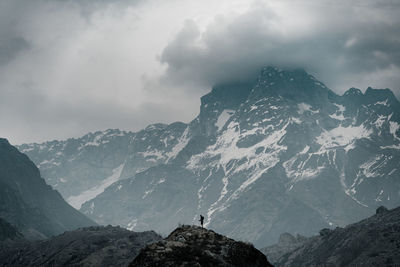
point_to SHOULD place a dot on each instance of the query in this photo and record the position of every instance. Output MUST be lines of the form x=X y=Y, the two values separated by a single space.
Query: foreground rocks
x=91 y=246
x=371 y=242
x=196 y=246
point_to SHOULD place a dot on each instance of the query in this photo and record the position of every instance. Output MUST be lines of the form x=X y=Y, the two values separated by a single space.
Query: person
x=201 y=220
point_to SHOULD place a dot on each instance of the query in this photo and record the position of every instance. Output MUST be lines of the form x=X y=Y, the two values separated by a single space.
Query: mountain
x=196 y=246
x=372 y=242
x=28 y=203
x=91 y=246
x=281 y=154
x=80 y=169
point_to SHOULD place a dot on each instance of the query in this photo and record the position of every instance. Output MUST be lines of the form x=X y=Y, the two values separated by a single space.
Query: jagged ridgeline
x=281 y=154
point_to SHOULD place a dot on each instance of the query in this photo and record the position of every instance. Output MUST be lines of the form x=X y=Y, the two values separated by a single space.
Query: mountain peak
x=228 y=95
x=156 y=126
x=380 y=94
x=353 y=92
x=272 y=71
x=292 y=84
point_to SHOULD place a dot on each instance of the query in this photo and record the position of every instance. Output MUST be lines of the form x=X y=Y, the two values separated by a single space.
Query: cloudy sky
x=70 y=67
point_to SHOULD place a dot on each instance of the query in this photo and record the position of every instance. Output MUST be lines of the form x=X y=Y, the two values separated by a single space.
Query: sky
x=69 y=67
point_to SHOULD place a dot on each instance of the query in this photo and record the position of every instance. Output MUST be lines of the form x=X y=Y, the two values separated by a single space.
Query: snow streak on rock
x=77 y=201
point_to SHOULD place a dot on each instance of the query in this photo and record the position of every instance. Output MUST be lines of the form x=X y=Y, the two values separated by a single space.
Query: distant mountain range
x=281 y=154
x=27 y=204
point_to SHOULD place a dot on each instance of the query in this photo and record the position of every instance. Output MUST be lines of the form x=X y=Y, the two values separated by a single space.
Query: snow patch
x=371 y=168
x=338 y=115
x=48 y=162
x=341 y=136
x=152 y=155
x=394 y=127
x=132 y=224
x=379 y=121
x=305 y=150
x=296 y=167
x=303 y=107
x=349 y=192
x=383 y=103
x=77 y=201
x=296 y=120
x=225 y=115
x=182 y=142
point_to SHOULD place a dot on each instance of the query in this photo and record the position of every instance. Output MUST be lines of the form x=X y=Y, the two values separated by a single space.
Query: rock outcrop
x=196 y=246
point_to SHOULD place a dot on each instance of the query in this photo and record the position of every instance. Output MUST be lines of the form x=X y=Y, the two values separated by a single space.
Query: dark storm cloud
x=343 y=44
x=72 y=66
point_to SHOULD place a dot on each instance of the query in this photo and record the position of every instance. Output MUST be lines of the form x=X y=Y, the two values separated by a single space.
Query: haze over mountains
x=281 y=154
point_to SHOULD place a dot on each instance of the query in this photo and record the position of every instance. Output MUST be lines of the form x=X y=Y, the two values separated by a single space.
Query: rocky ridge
x=196 y=246
x=91 y=246
x=371 y=242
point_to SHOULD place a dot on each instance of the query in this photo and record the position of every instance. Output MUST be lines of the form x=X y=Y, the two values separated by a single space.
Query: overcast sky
x=70 y=67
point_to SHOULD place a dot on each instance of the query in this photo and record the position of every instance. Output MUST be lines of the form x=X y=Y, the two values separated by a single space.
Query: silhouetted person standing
x=201 y=220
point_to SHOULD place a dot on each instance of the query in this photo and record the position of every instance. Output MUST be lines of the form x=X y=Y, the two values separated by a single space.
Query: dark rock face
x=28 y=203
x=8 y=232
x=196 y=246
x=92 y=246
x=372 y=242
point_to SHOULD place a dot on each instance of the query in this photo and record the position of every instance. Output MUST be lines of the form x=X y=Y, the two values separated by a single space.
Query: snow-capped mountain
x=282 y=154
x=82 y=168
